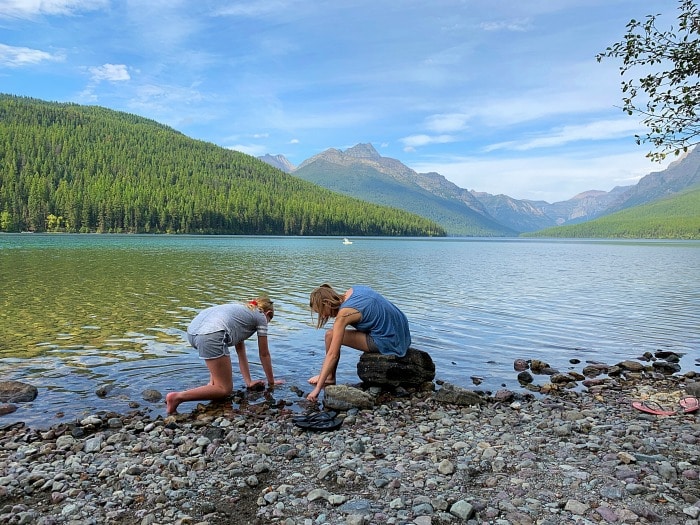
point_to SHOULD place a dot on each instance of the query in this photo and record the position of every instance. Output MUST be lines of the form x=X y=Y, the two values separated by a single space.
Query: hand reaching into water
x=313 y=396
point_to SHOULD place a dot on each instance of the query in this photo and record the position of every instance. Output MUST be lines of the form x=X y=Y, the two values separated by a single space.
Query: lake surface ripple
x=80 y=312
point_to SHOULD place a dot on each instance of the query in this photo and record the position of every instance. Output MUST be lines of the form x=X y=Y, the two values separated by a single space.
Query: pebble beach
x=567 y=456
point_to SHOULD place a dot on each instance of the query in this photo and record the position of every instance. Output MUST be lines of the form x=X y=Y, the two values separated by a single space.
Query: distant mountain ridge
x=278 y=161
x=362 y=172
x=680 y=175
x=675 y=216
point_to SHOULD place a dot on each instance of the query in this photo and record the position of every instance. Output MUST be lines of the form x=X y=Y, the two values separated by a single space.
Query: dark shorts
x=210 y=346
x=371 y=345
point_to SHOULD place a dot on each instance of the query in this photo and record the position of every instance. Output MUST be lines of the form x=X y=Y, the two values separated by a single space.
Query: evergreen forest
x=73 y=168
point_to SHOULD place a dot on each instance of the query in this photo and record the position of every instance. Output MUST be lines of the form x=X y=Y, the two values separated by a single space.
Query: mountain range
x=89 y=169
x=363 y=173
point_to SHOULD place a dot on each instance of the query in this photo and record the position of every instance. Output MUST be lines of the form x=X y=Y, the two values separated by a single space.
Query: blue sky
x=501 y=96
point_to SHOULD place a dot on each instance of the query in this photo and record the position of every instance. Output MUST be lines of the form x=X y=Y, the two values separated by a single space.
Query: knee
x=329 y=337
x=225 y=389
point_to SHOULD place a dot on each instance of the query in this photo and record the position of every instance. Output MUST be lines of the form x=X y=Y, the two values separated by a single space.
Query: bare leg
x=220 y=385
x=351 y=338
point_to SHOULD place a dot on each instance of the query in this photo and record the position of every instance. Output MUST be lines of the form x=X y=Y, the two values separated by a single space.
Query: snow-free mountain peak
x=279 y=162
x=363 y=151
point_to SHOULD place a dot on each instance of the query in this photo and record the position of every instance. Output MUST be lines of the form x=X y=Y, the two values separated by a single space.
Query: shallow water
x=79 y=312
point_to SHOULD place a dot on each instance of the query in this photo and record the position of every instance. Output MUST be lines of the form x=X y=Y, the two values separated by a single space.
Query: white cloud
x=110 y=73
x=422 y=140
x=28 y=9
x=251 y=9
x=24 y=56
x=600 y=130
x=256 y=8
x=256 y=150
x=567 y=91
x=157 y=102
x=447 y=123
x=507 y=25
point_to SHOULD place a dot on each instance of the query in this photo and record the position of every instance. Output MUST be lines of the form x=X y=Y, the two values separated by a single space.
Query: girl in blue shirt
x=364 y=320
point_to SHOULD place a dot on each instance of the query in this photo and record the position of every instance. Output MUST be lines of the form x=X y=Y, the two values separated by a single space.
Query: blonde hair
x=264 y=304
x=322 y=296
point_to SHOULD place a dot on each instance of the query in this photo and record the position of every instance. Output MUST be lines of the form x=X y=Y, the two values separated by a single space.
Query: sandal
x=318 y=421
x=689 y=404
x=652 y=407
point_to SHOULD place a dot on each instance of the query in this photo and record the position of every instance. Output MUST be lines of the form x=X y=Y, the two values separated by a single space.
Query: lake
x=80 y=312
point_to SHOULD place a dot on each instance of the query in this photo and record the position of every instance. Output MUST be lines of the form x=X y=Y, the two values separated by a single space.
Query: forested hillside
x=674 y=217
x=66 y=167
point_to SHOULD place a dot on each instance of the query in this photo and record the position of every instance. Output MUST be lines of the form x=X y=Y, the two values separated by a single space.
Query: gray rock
x=151 y=395
x=665 y=367
x=17 y=392
x=7 y=408
x=93 y=444
x=462 y=509
x=576 y=507
x=356 y=506
x=525 y=377
x=456 y=395
x=632 y=366
x=318 y=494
x=693 y=388
x=104 y=390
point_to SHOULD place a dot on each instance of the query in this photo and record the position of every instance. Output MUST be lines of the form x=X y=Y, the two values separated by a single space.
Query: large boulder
x=414 y=369
x=17 y=392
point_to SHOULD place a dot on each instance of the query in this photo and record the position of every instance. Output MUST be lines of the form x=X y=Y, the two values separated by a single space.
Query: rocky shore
x=414 y=457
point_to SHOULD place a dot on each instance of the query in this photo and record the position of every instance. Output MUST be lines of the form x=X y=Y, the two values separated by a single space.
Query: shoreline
x=561 y=457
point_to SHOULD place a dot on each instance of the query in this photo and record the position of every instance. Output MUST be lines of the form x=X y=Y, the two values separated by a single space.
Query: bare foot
x=171 y=402
x=314 y=381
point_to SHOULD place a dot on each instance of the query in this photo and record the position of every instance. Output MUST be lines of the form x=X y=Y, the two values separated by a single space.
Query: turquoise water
x=79 y=312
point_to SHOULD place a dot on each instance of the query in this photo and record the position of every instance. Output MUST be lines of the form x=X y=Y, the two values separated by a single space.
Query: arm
x=243 y=363
x=266 y=361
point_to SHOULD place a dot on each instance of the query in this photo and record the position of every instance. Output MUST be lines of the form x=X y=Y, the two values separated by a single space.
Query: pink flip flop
x=651 y=407
x=689 y=404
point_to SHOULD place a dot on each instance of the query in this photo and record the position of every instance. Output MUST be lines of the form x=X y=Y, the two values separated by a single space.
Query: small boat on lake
x=347 y=241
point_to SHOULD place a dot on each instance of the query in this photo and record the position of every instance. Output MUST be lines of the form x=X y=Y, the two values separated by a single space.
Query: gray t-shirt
x=237 y=320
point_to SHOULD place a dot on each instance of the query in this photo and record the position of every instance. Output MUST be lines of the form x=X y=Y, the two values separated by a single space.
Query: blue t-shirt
x=237 y=320
x=381 y=319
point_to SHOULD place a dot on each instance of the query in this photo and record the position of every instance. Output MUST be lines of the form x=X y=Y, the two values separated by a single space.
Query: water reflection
x=80 y=312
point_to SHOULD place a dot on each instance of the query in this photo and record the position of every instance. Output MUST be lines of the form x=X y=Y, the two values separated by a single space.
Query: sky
x=498 y=96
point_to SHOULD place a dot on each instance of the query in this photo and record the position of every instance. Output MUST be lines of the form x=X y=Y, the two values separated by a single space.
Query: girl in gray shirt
x=211 y=333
